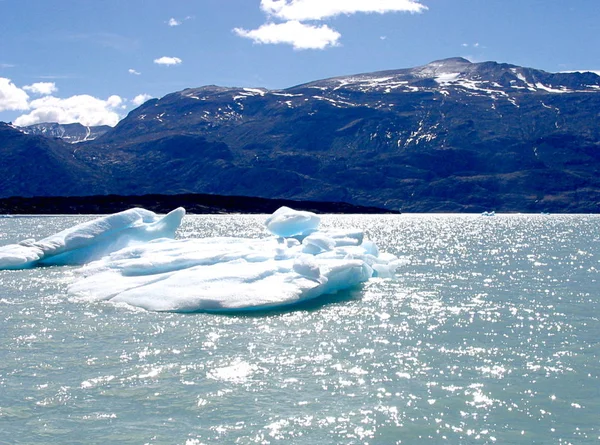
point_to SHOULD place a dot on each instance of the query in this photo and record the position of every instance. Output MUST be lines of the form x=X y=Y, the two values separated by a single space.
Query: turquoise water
x=489 y=334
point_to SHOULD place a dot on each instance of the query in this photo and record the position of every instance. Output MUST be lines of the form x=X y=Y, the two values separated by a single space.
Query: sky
x=93 y=61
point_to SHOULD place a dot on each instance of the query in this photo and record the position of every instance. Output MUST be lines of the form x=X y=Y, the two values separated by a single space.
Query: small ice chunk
x=346 y=237
x=371 y=248
x=317 y=242
x=287 y=222
x=306 y=266
x=292 y=242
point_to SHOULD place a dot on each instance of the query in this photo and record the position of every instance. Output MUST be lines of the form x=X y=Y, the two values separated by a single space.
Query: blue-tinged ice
x=131 y=258
x=91 y=240
x=236 y=274
x=287 y=222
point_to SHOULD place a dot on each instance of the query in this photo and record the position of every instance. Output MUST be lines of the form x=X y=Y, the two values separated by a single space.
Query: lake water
x=489 y=334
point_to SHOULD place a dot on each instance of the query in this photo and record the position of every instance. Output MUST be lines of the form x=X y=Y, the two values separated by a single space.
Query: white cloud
x=173 y=22
x=84 y=109
x=132 y=71
x=168 y=61
x=322 y=9
x=303 y=36
x=11 y=96
x=294 y=33
x=42 y=88
x=140 y=99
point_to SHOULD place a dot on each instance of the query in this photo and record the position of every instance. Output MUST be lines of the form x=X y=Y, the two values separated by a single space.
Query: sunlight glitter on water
x=488 y=335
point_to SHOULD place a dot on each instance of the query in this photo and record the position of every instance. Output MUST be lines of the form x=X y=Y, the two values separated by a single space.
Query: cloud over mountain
x=11 y=96
x=85 y=109
x=140 y=99
x=299 y=35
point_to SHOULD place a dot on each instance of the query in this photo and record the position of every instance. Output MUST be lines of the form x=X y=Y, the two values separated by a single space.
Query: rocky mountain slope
x=40 y=166
x=72 y=133
x=448 y=136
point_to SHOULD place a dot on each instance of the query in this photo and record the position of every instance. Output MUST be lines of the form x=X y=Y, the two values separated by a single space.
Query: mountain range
x=449 y=136
x=72 y=133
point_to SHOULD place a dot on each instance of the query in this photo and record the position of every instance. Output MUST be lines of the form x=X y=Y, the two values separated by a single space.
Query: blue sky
x=94 y=61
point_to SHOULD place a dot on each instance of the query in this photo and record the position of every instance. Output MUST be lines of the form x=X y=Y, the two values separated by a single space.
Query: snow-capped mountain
x=491 y=79
x=71 y=133
x=490 y=85
x=447 y=136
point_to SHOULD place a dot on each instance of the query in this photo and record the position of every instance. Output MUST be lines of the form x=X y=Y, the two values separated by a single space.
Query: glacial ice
x=131 y=258
x=91 y=240
x=287 y=222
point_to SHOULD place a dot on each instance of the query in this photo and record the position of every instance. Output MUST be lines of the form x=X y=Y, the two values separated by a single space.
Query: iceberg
x=288 y=222
x=132 y=257
x=91 y=240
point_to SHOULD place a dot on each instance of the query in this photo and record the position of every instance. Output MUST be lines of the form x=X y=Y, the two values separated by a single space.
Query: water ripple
x=488 y=335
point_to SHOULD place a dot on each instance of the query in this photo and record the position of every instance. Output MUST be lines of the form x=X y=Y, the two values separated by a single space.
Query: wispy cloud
x=57 y=76
x=84 y=109
x=134 y=72
x=41 y=88
x=299 y=35
x=140 y=99
x=323 y=9
x=168 y=60
x=6 y=65
x=11 y=96
x=178 y=22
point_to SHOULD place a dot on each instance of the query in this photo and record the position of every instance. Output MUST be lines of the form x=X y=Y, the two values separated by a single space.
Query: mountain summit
x=447 y=136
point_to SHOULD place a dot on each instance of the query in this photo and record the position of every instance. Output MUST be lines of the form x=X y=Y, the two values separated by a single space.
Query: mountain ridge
x=450 y=135
x=72 y=133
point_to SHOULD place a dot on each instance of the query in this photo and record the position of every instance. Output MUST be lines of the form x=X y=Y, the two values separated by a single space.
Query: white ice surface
x=236 y=274
x=135 y=262
x=91 y=240
x=287 y=222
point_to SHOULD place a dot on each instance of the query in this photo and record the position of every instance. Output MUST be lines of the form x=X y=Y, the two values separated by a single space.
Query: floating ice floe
x=221 y=274
x=91 y=240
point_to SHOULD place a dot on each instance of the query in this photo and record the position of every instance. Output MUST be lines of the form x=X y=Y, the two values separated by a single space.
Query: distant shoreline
x=193 y=203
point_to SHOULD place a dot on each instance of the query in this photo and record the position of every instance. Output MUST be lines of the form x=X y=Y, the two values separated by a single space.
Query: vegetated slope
x=448 y=136
x=39 y=166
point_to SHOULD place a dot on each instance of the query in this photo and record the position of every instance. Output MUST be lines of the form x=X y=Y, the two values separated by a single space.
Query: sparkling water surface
x=489 y=334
